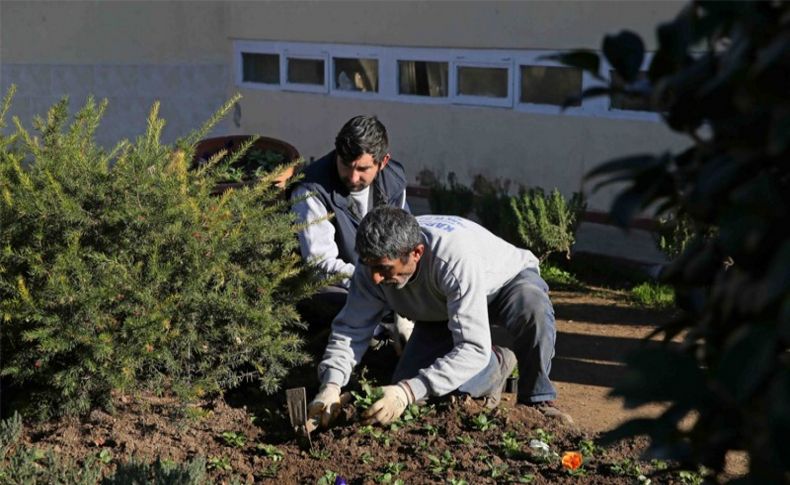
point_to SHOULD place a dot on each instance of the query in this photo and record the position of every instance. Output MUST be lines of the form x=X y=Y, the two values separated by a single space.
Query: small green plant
x=368 y=395
x=319 y=454
x=496 y=470
x=482 y=422
x=688 y=477
x=271 y=451
x=626 y=467
x=653 y=295
x=366 y=458
x=236 y=440
x=328 y=478
x=464 y=439
x=197 y=413
x=390 y=472
x=457 y=481
x=511 y=446
x=588 y=448
x=441 y=465
x=543 y=435
x=221 y=463
x=528 y=478
x=105 y=456
x=430 y=430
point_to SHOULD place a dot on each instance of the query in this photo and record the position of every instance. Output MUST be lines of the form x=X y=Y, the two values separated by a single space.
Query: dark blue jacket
x=321 y=178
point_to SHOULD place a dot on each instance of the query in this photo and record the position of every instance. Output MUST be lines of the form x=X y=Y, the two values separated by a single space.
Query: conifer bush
x=546 y=222
x=119 y=271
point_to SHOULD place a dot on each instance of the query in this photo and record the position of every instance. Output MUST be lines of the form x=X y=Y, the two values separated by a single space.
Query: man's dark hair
x=387 y=232
x=361 y=135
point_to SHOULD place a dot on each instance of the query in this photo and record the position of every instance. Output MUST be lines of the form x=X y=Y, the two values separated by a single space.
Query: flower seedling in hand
x=369 y=394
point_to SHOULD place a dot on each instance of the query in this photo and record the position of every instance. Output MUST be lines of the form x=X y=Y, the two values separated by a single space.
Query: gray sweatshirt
x=462 y=269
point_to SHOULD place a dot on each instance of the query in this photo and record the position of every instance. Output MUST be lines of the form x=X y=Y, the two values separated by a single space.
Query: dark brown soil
x=595 y=331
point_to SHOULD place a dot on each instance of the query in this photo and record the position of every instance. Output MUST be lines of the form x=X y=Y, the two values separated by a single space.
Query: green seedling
x=366 y=458
x=270 y=471
x=482 y=422
x=528 y=478
x=391 y=470
x=422 y=445
x=457 y=481
x=496 y=470
x=464 y=440
x=235 y=440
x=379 y=435
x=510 y=444
x=659 y=465
x=328 y=478
x=105 y=456
x=688 y=477
x=430 y=430
x=271 y=451
x=370 y=394
x=319 y=454
x=221 y=463
x=588 y=448
x=626 y=468
x=441 y=465
x=544 y=436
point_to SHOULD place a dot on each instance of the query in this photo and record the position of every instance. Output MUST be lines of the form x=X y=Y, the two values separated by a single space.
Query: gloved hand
x=390 y=406
x=326 y=405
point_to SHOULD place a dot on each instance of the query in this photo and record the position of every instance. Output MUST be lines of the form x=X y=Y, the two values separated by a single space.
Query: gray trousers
x=523 y=309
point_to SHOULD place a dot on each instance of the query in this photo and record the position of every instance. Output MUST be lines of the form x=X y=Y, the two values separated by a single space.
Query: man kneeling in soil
x=455 y=279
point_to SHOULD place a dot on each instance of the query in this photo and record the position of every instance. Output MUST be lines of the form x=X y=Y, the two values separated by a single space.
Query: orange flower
x=572 y=460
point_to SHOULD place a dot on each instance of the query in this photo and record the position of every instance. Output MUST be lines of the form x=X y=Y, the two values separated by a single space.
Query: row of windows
x=519 y=79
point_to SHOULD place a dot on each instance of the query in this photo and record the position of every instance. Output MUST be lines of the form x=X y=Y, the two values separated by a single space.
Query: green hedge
x=120 y=271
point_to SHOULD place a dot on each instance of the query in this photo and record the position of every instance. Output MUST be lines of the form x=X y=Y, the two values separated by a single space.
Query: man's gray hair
x=387 y=232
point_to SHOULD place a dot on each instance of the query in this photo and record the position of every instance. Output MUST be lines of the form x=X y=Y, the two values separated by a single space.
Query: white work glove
x=325 y=407
x=390 y=406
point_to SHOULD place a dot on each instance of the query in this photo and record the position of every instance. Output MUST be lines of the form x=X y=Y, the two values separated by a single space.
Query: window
x=519 y=79
x=423 y=78
x=351 y=74
x=629 y=102
x=489 y=82
x=305 y=71
x=260 y=68
x=550 y=85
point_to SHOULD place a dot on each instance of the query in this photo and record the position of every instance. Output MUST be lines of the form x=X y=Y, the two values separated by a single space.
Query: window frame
x=534 y=59
x=418 y=55
x=387 y=58
x=308 y=55
x=471 y=100
x=354 y=52
x=256 y=47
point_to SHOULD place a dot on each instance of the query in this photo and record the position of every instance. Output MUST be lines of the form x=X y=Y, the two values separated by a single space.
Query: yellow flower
x=572 y=460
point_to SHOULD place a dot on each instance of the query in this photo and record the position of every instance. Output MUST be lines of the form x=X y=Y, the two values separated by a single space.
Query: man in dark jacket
x=347 y=183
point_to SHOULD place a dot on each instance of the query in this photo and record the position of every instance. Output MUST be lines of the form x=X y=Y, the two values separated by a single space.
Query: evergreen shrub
x=120 y=272
x=546 y=222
